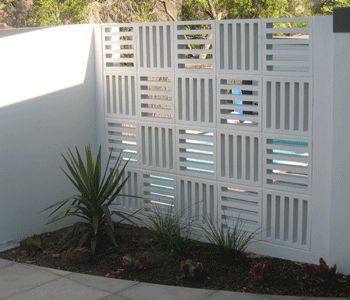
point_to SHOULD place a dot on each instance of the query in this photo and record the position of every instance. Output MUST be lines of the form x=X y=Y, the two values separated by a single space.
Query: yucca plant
x=229 y=240
x=97 y=190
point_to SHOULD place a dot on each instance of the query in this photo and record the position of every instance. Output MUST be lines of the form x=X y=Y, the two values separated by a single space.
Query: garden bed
x=164 y=267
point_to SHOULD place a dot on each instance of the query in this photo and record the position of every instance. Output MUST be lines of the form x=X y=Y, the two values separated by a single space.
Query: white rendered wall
x=47 y=103
x=340 y=197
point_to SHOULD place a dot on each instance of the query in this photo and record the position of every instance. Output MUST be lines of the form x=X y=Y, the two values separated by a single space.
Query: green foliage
x=229 y=240
x=238 y=9
x=97 y=192
x=58 y=12
x=170 y=232
x=326 y=7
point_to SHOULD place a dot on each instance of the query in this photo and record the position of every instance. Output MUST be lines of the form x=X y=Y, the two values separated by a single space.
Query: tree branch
x=170 y=15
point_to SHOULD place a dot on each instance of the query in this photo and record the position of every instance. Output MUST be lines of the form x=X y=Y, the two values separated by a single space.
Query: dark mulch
x=163 y=267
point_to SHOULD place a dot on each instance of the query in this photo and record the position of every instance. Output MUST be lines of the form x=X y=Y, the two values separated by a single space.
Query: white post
x=340 y=197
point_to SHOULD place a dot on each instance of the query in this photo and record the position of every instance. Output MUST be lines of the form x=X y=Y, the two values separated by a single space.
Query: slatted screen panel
x=120 y=91
x=122 y=139
x=155 y=46
x=239 y=102
x=288 y=106
x=197 y=199
x=130 y=189
x=239 y=46
x=159 y=191
x=157 y=146
x=196 y=152
x=239 y=157
x=287 y=46
x=195 y=100
x=287 y=219
x=195 y=46
x=240 y=202
x=119 y=46
x=156 y=97
x=287 y=163
x=216 y=120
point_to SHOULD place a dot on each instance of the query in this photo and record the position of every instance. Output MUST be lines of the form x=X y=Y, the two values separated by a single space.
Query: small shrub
x=322 y=271
x=192 y=269
x=232 y=241
x=32 y=245
x=169 y=231
x=261 y=271
x=97 y=191
x=78 y=255
x=130 y=263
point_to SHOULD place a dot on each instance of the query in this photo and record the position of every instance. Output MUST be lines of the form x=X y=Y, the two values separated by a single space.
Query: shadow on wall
x=47 y=103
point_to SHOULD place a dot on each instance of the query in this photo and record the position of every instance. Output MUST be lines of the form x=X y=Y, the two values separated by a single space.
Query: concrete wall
x=340 y=198
x=47 y=103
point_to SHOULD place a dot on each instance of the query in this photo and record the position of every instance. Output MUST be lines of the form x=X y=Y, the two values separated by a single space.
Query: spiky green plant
x=170 y=230
x=96 y=192
x=234 y=240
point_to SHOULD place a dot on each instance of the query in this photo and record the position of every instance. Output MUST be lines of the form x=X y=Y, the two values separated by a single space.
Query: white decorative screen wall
x=239 y=157
x=195 y=46
x=287 y=219
x=155 y=46
x=239 y=102
x=195 y=99
x=216 y=119
x=122 y=139
x=120 y=93
x=156 y=97
x=287 y=104
x=240 y=201
x=239 y=44
x=119 y=46
x=287 y=46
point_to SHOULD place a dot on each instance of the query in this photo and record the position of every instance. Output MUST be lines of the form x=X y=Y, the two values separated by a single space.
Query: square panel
x=156 y=97
x=195 y=100
x=131 y=191
x=287 y=219
x=243 y=202
x=196 y=200
x=287 y=163
x=155 y=46
x=195 y=46
x=239 y=102
x=287 y=46
x=157 y=147
x=288 y=106
x=158 y=190
x=239 y=46
x=122 y=139
x=239 y=157
x=119 y=46
x=120 y=95
x=196 y=152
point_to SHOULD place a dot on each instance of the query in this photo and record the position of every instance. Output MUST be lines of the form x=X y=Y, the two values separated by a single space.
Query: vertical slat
x=234 y=47
x=243 y=54
x=301 y=107
x=226 y=45
x=191 y=108
x=282 y=105
x=273 y=104
x=251 y=46
x=291 y=104
x=151 y=43
x=273 y=215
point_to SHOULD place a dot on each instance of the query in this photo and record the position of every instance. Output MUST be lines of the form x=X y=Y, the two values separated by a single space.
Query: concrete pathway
x=29 y=282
